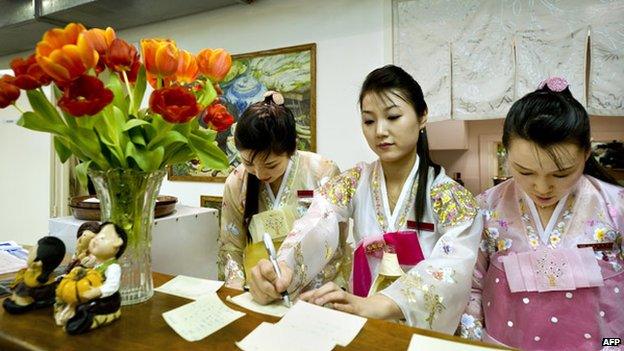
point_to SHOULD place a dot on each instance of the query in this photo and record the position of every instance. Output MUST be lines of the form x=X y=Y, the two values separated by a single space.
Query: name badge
x=428 y=227
x=305 y=194
x=598 y=246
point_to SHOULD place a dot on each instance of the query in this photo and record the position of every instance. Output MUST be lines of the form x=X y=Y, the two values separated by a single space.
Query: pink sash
x=552 y=270
x=406 y=247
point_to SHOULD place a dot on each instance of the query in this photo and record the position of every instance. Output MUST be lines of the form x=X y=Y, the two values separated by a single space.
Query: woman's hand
x=264 y=286
x=377 y=306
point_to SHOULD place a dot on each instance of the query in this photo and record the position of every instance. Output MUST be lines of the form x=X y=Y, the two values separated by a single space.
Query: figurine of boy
x=103 y=304
x=81 y=256
x=34 y=286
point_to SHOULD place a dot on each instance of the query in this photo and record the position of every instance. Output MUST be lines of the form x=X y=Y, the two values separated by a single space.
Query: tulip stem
x=125 y=76
x=18 y=109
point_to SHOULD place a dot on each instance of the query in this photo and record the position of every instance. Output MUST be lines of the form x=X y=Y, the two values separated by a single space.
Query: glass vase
x=127 y=198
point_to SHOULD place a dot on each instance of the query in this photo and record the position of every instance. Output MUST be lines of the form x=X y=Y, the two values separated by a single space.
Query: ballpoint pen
x=268 y=243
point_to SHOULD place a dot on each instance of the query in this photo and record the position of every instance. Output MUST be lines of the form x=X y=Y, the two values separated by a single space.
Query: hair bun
x=556 y=84
x=274 y=97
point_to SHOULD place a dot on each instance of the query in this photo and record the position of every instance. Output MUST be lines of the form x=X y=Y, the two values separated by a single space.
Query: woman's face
x=390 y=125
x=266 y=167
x=537 y=174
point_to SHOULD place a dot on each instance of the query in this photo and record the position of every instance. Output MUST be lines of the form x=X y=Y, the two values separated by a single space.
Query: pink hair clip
x=557 y=84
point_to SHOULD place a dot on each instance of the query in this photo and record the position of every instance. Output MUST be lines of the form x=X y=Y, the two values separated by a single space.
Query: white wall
x=24 y=179
x=352 y=36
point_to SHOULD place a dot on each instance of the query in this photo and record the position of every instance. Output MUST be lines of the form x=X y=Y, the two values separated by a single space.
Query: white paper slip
x=245 y=300
x=10 y=263
x=323 y=323
x=196 y=320
x=273 y=337
x=190 y=287
x=427 y=343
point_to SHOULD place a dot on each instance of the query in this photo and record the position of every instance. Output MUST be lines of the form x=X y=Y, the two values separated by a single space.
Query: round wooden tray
x=90 y=211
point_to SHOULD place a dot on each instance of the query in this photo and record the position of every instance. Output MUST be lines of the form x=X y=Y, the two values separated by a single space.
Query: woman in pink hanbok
x=550 y=271
x=415 y=242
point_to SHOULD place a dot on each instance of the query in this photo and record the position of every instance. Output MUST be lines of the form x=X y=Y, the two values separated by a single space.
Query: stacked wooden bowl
x=90 y=210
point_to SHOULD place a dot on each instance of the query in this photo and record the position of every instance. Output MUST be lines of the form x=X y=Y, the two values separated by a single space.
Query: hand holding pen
x=268 y=243
x=264 y=284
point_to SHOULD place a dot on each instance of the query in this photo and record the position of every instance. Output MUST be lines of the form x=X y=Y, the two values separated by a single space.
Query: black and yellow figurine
x=34 y=286
x=88 y=297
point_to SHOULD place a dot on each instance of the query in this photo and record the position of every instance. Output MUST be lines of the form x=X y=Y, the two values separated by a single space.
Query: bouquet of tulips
x=98 y=82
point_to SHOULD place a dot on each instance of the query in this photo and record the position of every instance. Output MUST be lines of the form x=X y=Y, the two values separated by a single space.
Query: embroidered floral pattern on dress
x=232 y=228
x=444 y=274
x=412 y=287
x=378 y=201
x=340 y=190
x=447 y=247
x=301 y=269
x=470 y=327
x=452 y=204
x=555 y=236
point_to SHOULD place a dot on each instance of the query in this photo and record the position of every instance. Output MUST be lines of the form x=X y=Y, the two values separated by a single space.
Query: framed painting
x=212 y=202
x=290 y=71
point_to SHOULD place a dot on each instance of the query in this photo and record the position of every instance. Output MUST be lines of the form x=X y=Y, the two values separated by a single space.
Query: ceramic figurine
x=88 y=298
x=81 y=256
x=34 y=285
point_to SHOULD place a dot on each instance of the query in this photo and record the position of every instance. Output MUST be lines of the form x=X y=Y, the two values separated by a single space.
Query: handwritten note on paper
x=276 y=309
x=323 y=323
x=274 y=337
x=196 y=320
x=427 y=343
x=189 y=287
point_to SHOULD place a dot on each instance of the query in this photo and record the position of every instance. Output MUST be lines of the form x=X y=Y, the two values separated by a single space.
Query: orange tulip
x=100 y=40
x=187 y=67
x=160 y=56
x=64 y=54
x=214 y=64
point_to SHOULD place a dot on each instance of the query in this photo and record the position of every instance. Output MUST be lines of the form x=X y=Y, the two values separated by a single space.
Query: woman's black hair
x=50 y=251
x=392 y=79
x=122 y=235
x=265 y=127
x=548 y=118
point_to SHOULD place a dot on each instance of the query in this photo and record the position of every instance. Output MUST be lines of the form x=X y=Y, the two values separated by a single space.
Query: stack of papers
x=10 y=263
x=196 y=320
x=308 y=326
x=14 y=249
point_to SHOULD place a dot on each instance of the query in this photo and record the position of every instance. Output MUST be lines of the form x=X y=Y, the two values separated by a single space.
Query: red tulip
x=85 y=96
x=214 y=64
x=121 y=56
x=28 y=73
x=8 y=91
x=175 y=104
x=217 y=117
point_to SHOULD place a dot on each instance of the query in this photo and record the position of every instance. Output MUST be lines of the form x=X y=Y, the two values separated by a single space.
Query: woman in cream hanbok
x=271 y=188
x=413 y=225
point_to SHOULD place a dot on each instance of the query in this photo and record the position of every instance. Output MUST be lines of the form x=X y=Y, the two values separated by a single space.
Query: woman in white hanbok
x=414 y=227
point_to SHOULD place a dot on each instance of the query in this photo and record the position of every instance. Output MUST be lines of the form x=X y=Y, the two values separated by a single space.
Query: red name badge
x=598 y=246
x=428 y=227
x=305 y=194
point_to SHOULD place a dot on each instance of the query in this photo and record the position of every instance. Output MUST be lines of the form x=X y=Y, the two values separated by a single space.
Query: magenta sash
x=406 y=247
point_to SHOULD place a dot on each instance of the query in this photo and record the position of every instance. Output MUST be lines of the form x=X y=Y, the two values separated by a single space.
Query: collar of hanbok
x=275 y=201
